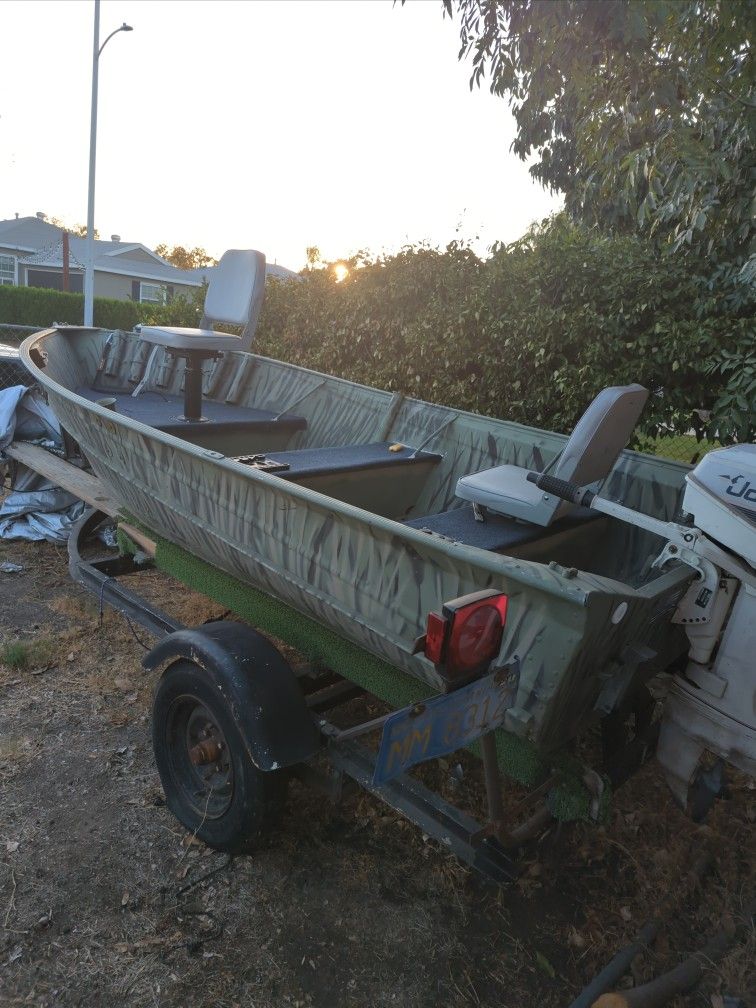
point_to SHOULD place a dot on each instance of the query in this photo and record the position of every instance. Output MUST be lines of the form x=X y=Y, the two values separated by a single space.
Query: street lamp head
x=124 y=27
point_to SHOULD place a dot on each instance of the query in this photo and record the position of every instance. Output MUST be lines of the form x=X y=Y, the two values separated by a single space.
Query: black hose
x=617 y=966
x=620 y=963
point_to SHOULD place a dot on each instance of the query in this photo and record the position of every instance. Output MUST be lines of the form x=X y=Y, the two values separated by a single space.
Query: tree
x=641 y=112
x=77 y=230
x=313 y=256
x=184 y=258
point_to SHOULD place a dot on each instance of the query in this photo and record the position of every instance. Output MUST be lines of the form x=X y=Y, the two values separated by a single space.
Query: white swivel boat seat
x=588 y=457
x=235 y=296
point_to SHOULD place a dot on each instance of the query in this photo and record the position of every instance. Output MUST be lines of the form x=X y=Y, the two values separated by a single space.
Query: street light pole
x=89 y=269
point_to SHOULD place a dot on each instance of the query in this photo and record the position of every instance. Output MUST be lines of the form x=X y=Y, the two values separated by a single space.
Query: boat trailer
x=486 y=847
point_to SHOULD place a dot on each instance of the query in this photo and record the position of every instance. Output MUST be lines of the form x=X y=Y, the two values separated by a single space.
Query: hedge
x=530 y=334
x=41 y=306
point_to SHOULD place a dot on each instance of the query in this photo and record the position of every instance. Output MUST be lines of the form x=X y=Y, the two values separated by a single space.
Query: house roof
x=27 y=234
x=204 y=273
x=52 y=256
x=41 y=244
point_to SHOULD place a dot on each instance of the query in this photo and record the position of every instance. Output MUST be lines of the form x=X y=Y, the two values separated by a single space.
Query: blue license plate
x=444 y=723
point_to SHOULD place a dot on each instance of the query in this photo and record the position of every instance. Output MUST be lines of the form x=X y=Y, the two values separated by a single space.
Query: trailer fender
x=257 y=683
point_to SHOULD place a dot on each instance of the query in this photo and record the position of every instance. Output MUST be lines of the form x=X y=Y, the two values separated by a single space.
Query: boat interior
x=450 y=474
x=453 y=475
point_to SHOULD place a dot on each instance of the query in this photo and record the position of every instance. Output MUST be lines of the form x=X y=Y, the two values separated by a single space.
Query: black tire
x=226 y=801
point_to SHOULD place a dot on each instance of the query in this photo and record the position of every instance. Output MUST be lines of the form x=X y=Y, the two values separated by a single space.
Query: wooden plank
x=83 y=485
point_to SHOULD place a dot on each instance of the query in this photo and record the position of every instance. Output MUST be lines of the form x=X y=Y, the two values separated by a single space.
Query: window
x=152 y=293
x=54 y=281
x=8 y=271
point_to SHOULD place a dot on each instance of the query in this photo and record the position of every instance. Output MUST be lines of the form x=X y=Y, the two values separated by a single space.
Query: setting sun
x=341 y=272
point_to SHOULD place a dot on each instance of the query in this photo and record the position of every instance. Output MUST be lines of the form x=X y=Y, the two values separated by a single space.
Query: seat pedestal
x=193 y=381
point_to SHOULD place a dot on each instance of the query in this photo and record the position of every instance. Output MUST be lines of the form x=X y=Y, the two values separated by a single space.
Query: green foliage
x=531 y=334
x=41 y=306
x=640 y=111
x=735 y=374
x=23 y=655
x=15 y=655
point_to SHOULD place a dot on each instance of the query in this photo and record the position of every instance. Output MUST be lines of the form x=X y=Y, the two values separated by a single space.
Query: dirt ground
x=104 y=899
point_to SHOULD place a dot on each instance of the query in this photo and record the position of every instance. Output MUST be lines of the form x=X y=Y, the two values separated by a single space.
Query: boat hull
x=371 y=579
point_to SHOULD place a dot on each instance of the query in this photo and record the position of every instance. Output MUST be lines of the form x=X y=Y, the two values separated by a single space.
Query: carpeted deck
x=497 y=533
x=156 y=409
x=346 y=458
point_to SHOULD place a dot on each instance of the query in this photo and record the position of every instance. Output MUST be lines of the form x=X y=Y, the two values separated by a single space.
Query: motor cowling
x=720 y=494
x=711 y=707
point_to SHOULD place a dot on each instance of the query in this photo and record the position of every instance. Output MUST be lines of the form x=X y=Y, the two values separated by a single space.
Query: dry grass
x=347 y=906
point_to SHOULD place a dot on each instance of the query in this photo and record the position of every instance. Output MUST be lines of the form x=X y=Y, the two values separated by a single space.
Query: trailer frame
x=343 y=762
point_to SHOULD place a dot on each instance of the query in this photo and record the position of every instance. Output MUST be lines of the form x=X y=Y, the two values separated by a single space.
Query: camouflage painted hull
x=372 y=579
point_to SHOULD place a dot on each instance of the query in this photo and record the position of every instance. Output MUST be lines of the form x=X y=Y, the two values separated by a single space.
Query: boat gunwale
x=526 y=572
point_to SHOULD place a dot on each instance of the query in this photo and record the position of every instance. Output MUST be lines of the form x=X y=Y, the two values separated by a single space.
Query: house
x=32 y=253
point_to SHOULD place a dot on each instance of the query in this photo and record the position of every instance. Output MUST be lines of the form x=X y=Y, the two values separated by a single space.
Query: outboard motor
x=711 y=708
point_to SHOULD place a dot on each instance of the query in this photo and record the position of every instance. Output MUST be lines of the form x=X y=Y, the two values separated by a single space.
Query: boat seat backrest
x=587 y=459
x=235 y=296
x=236 y=289
x=600 y=435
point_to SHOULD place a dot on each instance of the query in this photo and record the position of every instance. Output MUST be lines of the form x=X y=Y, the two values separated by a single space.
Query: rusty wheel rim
x=199 y=758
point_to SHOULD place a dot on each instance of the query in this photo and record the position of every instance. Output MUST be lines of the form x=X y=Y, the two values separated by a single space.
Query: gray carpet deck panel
x=497 y=533
x=162 y=411
x=346 y=458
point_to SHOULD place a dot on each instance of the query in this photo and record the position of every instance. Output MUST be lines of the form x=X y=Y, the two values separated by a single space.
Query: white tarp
x=35 y=509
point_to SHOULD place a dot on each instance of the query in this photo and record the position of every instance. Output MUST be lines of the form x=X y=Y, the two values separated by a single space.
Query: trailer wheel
x=211 y=785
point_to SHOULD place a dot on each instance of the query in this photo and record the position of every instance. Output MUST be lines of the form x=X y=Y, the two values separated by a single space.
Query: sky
x=269 y=124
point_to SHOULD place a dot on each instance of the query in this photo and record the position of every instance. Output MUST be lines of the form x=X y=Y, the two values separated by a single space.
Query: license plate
x=444 y=723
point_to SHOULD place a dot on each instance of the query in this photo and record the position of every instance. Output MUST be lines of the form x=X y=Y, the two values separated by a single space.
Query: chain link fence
x=679 y=448
x=682 y=449
x=15 y=334
x=12 y=371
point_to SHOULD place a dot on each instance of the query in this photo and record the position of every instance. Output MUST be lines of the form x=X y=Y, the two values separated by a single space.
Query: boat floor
x=164 y=412
x=497 y=533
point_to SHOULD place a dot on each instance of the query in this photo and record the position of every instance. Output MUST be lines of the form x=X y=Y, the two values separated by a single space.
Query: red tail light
x=435 y=637
x=467 y=637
